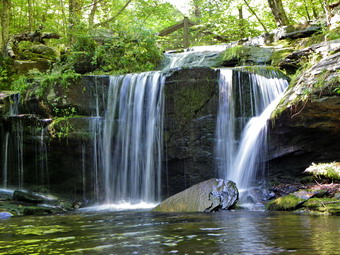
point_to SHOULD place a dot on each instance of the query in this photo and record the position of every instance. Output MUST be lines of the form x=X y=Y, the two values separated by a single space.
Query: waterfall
x=246 y=101
x=5 y=161
x=131 y=139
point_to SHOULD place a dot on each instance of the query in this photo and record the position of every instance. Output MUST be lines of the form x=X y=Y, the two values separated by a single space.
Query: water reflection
x=143 y=232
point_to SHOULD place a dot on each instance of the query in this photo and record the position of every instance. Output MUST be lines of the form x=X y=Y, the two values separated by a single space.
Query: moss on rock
x=286 y=203
x=324 y=205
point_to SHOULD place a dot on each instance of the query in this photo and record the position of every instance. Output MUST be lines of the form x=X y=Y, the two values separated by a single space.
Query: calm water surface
x=144 y=232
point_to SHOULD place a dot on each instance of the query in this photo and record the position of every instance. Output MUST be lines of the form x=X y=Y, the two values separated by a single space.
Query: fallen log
x=36 y=36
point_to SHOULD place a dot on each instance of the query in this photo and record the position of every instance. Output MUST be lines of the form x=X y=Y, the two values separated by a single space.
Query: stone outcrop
x=308 y=126
x=295 y=31
x=191 y=97
x=207 y=196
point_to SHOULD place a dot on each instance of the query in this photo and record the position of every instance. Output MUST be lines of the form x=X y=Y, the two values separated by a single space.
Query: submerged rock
x=211 y=195
x=5 y=215
x=28 y=197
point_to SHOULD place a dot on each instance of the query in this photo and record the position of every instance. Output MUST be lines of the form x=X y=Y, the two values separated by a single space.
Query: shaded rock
x=307 y=121
x=40 y=210
x=296 y=59
x=85 y=94
x=241 y=55
x=295 y=31
x=189 y=126
x=24 y=66
x=44 y=50
x=71 y=128
x=28 y=197
x=307 y=194
x=207 y=196
x=6 y=194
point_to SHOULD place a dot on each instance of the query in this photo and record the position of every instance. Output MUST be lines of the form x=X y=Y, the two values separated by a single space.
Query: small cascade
x=130 y=145
x=196 y=56
x=42 y=177
x=14 y=106
x=5 y=161
x=83 y=170
x=246 y=101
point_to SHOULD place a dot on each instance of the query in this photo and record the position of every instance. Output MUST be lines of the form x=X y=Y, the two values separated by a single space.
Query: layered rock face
x=308 y=128
x=191 y=97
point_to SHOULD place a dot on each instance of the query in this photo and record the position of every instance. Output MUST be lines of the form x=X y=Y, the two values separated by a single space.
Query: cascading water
x=246 y=101
x=5 y=161
x=131 y=139
x=196 y=56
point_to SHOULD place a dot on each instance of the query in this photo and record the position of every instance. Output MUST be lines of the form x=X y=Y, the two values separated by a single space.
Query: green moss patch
x=325 y=205
x=286 y=203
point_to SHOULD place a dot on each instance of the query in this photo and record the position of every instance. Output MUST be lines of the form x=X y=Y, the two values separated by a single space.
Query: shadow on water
x=145 y=232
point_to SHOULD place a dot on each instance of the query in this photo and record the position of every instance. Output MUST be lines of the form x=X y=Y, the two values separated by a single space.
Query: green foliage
x=64 y=112
x=21 y=84
x=325 y=170
x=5 y=73
x=38 y=83
x=235 y=52
x=131 y=49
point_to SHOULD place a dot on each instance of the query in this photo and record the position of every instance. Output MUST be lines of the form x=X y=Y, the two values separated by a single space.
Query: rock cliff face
x=308 y=128
x=191 y=97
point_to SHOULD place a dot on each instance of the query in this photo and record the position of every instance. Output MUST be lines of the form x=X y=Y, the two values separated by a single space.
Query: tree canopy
x=122 y=36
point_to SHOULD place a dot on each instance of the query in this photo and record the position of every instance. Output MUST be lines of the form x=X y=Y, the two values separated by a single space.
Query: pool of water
x=145 y=232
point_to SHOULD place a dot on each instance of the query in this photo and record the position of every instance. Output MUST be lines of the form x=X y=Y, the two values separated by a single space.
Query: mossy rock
x=308 y=179
x=75 y=127
x=246 y=55
x=324 y=205
x=36 y=210
x=27 y=196
x=286 y=203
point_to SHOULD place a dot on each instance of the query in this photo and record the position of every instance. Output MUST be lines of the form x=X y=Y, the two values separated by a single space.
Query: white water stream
x=132 y=135
x=241 y=130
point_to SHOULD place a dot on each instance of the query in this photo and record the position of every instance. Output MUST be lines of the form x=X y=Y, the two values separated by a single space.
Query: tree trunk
x=278 y=12
x=5 y=22
x=257 y=17
x=74 y=18
x=315 y=12
x=30 y=15
x=197 y=9
x=307 y=12
x=327 y=9
x=93 y=13
x=241 y=22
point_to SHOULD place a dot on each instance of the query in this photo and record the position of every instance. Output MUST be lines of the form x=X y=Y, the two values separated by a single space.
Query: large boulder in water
x=211 y=195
